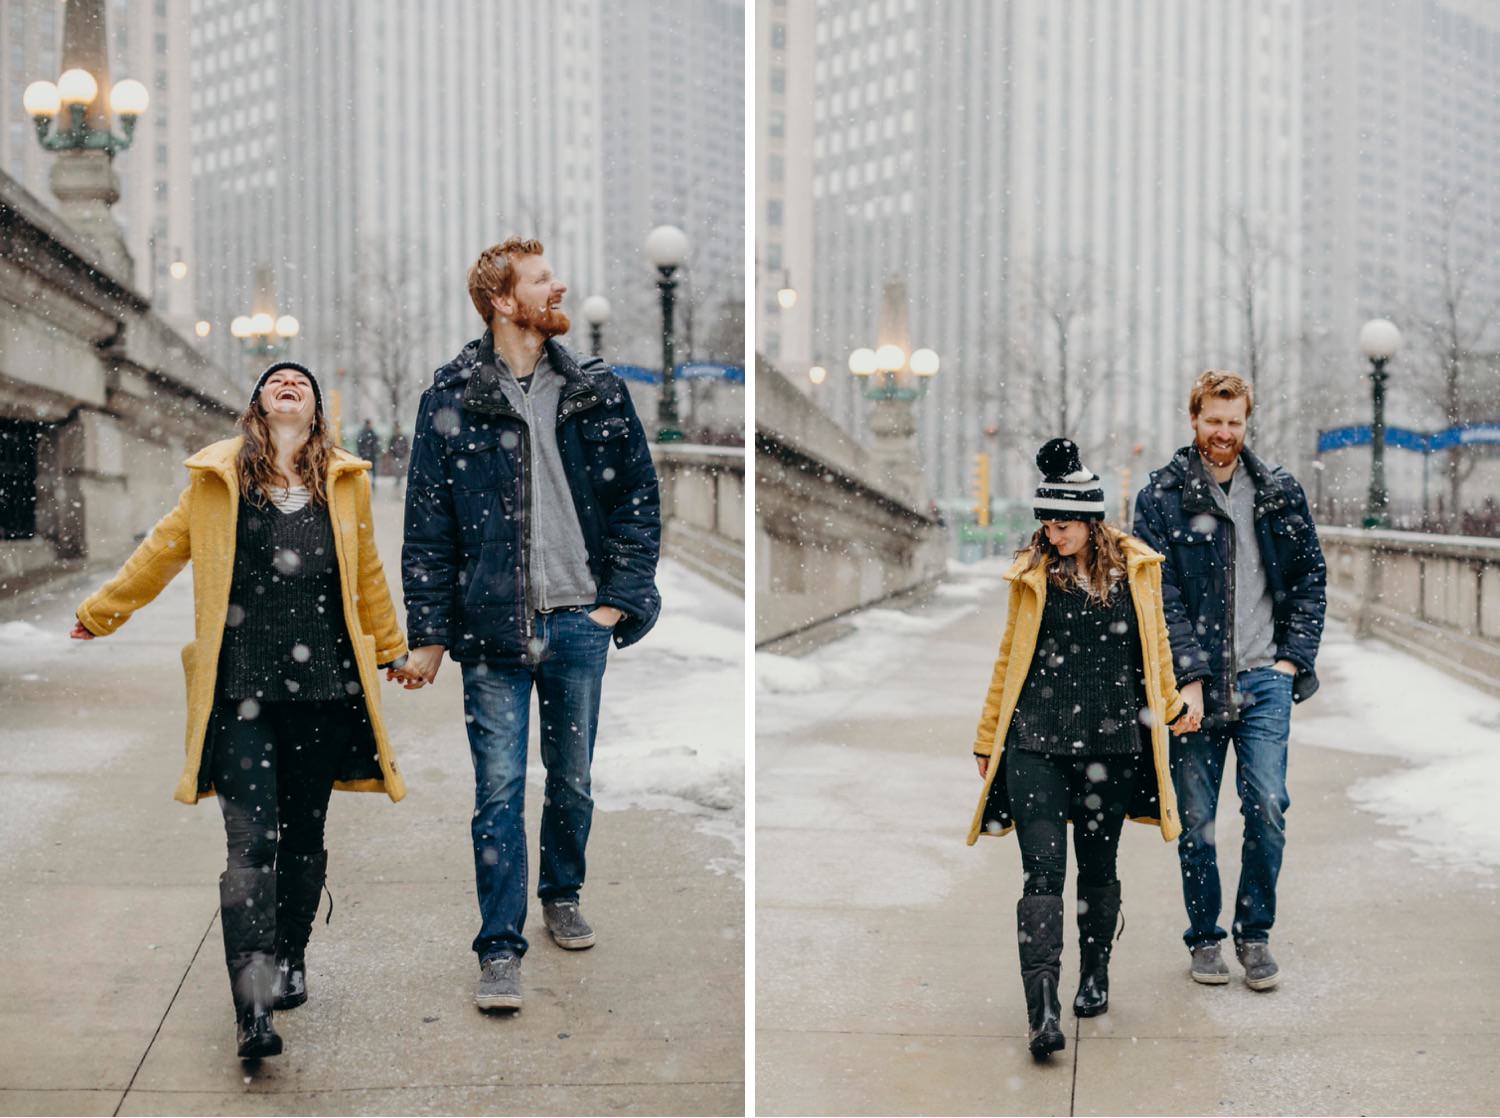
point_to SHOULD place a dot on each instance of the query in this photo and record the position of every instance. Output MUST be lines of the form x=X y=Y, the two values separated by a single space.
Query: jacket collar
x=1137 y=556
x=482 y=392
x=1188 y=467
x=222 y=458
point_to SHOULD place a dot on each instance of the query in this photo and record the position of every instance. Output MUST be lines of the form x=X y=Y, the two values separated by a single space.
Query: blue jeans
x=1259 y=736
x=497 y=705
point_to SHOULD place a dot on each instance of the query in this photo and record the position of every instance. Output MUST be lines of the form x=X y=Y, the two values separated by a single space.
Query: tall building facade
x=1402 y=141
x=673 y=152
x=784 y=34
x=366 y=152
x=149 y=42
x=1108 y=167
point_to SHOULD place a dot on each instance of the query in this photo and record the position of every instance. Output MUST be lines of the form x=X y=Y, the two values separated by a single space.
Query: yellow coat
x=1028 y=593
x=202 y=528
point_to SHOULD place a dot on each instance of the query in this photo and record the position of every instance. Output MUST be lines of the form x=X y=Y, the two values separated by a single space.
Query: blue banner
x=696 y=370
x=1464 y=434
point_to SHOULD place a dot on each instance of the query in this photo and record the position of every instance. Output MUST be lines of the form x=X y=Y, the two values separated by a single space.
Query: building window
x=18 y=475
x=777 y=124
x=778 y=80
x=773 y=213
x=778 y=36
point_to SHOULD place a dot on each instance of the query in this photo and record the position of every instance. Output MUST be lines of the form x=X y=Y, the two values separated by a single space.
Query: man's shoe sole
x=574 y=943
x=1210 y=979
x=1263 y=983
x=498 y=1001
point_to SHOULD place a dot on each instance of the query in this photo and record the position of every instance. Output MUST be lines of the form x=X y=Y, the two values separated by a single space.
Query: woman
x=292 y=618
x=1074 y=727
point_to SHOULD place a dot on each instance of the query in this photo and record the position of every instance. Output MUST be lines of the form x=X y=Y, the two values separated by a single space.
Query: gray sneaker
x=568 y=927
x=499 y=983
x=1209 y=966
x=1261 y=971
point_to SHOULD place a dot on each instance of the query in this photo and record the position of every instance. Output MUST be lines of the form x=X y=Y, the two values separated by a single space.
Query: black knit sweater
x=1086 y=687
x=286 y=637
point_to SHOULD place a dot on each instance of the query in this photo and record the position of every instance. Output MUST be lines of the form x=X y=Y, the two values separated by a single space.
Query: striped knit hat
x=1068 y=490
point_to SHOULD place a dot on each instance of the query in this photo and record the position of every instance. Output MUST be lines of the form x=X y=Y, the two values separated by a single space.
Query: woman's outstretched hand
x=984 y=767
x=409 y=677
x=79 y=633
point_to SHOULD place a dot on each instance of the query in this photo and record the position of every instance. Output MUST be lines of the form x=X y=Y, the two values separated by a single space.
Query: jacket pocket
x=478 y=461
x=603 y=429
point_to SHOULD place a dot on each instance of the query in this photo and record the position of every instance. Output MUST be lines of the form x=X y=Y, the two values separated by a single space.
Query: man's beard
x=1217 y=456
x=549 y=322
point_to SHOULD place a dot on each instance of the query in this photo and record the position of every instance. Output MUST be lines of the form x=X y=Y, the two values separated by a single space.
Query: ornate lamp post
x=894 y=378
x=667 y=248
x=265 y=335
x=72 y=119
x=1378 y=340
x=596 y=314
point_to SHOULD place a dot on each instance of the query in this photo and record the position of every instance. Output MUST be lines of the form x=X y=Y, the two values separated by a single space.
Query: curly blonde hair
x=257 y=461
x=1106 y=566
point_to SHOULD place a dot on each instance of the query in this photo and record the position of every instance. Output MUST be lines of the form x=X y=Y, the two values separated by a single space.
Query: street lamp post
x=667 y=246
x=73 y=119
x=1378 y=340
x=596 y=312
x=893 y=378
x=264 y=334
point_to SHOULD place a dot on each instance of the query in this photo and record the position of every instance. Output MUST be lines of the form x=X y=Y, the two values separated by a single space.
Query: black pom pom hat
x=1068 y=491
x=303 y=369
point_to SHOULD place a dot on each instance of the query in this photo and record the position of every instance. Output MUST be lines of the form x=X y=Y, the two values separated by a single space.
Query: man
x=1244 y=589
x=367 y=444
x=532 y=533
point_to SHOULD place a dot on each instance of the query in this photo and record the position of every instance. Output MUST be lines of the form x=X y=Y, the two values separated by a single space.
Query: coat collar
x=482 y=390
x=222 y=458
x=1137 y=556
x=1197 y=497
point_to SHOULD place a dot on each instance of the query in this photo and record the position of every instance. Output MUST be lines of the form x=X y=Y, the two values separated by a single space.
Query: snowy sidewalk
x=886 y=962
x=113 y=997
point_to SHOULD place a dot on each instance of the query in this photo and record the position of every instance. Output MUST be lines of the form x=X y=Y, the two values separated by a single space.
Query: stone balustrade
x=703 y=509
x=1437 y=596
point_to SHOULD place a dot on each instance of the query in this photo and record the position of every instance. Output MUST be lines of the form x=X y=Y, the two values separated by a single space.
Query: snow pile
x=1393 y=705
x=672 y=721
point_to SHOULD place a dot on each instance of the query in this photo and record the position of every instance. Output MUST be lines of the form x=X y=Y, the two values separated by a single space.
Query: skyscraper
x=367 y=152
x=673 y=152
x=1072 y=193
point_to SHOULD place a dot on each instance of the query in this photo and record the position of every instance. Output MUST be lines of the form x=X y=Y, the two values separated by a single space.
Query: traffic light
x=982 y=489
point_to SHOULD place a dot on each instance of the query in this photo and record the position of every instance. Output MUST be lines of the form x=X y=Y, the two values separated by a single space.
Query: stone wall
x=1436 y=596
x=118 y=397
x=703 y=509
x=833 y=534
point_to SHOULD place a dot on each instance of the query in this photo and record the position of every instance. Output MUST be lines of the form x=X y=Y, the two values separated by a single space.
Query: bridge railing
x=832 y=533
x=703 y=509
x=1437 y=596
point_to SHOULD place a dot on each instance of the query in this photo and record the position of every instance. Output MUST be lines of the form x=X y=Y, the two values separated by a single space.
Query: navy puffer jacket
x=1177 y=515
x=468 y=506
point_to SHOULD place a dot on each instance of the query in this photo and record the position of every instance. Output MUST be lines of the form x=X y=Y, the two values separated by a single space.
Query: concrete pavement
x=887 y=976
x=113 y=997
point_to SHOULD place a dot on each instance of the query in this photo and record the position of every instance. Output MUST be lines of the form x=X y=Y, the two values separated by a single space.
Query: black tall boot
x=247 y=910
x=299 y=886
x=1098 y=913
x=1039 y=932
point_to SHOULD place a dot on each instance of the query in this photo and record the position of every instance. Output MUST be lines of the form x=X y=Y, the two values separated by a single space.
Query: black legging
x=1048 y=789
x=273 y=768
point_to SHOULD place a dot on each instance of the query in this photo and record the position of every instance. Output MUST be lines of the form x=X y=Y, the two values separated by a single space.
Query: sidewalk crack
x=170 y=1003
